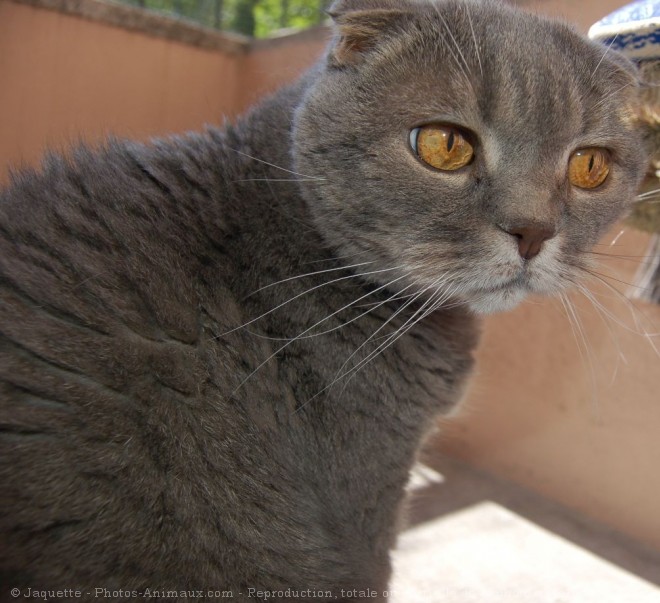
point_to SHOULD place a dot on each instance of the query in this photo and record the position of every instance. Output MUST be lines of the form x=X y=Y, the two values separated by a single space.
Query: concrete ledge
x=475 y=538
x=148 y=22
x=486 y=553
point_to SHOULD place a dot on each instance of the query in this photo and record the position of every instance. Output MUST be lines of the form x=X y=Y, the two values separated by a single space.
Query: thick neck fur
x=283 y=242
x=129 y=276
x=345 y=428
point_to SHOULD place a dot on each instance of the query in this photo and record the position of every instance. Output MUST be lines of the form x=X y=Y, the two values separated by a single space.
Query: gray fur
x=145 y=442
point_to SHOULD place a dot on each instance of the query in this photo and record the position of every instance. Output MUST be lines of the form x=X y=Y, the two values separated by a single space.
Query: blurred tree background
x=259 y=18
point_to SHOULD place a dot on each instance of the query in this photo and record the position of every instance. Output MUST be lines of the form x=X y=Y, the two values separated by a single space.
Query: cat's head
x=478 y=150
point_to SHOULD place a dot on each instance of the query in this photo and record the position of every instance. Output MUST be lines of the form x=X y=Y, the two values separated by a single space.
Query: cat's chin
x=501 y=300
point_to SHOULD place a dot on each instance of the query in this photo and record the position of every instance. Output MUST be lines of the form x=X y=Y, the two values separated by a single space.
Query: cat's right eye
x=443 y=147
x=589 y=167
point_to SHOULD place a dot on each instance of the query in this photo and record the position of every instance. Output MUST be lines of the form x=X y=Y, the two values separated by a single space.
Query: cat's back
x=106 y=251
x=116 y=284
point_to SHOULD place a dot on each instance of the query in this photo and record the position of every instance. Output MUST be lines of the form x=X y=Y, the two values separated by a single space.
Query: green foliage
x=297 y=14
x=259 y=18
x=244 y=18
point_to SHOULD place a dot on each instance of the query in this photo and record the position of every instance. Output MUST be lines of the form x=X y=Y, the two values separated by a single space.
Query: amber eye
x=442 y=147
x=588 y=168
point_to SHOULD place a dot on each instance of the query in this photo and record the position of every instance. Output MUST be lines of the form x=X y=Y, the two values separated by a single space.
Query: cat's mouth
x=507 y=294
x=520 y=281
x=501 y=298
x=499 y=281
x=510 y=278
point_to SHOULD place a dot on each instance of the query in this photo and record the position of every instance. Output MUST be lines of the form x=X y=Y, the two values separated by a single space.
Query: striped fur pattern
x=220 y=353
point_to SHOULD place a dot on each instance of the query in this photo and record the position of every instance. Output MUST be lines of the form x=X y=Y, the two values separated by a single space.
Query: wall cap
x=151 y=23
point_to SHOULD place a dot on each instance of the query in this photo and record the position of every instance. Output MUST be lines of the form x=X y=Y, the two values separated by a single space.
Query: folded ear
x=360 y=25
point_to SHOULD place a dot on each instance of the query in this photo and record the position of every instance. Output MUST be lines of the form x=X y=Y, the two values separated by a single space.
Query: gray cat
x=220 y=353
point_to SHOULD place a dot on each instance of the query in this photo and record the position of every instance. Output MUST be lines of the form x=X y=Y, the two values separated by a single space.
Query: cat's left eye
x=589 y=167
x=443 y=147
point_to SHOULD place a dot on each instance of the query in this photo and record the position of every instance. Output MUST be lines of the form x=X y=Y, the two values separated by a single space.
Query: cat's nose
x=530 y=239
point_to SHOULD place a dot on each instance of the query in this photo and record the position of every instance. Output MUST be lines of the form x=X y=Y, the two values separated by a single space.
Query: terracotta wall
x=64 y=78
x=583 y=427
x=574 y=411
x=83 y=78
x=271 y=63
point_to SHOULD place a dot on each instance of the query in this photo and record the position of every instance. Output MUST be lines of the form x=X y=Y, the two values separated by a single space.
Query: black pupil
x=591 y=162
x=450 y=142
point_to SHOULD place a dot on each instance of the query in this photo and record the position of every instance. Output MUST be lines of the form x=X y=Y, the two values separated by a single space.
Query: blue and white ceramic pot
x=634 y=30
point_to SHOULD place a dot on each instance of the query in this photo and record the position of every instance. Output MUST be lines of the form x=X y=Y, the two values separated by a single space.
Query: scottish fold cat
x=221 y=352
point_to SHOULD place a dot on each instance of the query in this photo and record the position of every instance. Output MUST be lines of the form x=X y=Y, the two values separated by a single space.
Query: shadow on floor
x=463 y=486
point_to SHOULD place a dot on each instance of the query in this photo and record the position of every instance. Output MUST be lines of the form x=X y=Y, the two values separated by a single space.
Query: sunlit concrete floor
x=473 y=538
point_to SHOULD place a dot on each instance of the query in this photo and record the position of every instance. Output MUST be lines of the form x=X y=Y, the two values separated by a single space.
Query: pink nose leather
x=530 y=239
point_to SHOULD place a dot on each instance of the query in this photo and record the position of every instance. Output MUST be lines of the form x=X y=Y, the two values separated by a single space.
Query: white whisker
x=396 y=297
x=343 y=278
x=644 y=195
x=316 y=324
x=615 y=239
x=336 y=257
x=474 y=37
x=292 y=278
x=465 y=70
x=341 y=326
x=581 y=343
x=603 y=315
x=275 y=180
x=430 y=305
x=604 y=55
x=338 y=374
x=605 y=99
x=277 y=167
x=632 y=308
